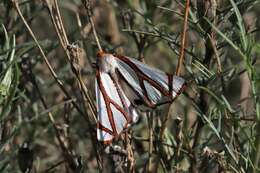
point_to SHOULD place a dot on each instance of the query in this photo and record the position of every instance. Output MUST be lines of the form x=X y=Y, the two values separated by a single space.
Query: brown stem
x=89 y=12
x=183 y=40
x=150 y=127
x=181 y=58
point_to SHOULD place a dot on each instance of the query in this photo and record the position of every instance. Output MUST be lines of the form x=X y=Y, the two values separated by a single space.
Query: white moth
x=115 y=111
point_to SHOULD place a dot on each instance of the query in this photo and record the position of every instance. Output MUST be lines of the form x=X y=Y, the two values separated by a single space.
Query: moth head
x=103 y=55
x=100 y=54
x=106 y=62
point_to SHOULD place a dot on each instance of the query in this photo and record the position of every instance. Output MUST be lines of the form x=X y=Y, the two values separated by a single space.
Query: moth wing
x=111 y=115
x=149 y=83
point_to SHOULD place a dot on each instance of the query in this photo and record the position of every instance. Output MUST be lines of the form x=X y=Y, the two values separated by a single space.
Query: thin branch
x=139 y=38
x=58 y=24
x=183 y=41
x=213 y=43
x=150 y=134
x=89 y=13
x=178 y=69
x=53 y=166
x=75 y=55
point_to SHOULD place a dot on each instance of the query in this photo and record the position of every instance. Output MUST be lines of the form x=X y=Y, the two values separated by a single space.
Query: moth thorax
x=107 y=64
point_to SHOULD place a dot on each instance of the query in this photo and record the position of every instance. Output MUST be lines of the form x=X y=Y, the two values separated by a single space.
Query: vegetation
x=47 y=94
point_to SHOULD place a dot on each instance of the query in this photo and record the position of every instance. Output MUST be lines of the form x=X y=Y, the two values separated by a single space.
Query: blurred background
x=47 y=119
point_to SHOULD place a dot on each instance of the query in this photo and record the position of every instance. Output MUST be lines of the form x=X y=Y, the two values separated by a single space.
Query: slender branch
x=130 y=154
x=75 y=55
x=150 y=132
x=180 y=61
x=89 y=13
x=214 y=47
x=58 y=24
x=178 y=69
x=181 y=58
x=183 y=41
x=53 y=166
x=139 y=38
